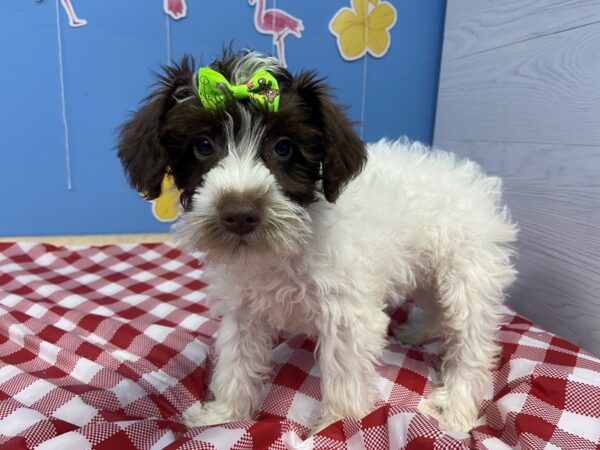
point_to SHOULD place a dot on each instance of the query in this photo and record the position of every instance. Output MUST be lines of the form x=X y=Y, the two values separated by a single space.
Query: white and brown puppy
x=305 y=229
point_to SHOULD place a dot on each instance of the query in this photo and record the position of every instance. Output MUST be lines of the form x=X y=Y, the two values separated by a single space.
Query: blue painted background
x=107 y=66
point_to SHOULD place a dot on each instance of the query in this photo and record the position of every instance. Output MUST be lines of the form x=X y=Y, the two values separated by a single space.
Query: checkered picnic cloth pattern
x=107 y=347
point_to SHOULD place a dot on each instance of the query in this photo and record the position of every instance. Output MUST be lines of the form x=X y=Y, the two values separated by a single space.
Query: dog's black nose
x=240 y=218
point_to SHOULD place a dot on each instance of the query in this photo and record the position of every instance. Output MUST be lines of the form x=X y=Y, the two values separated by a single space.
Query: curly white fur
x=415 y=220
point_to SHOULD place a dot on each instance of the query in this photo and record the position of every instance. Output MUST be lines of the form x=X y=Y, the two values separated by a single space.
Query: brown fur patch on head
x=141 y=148
x=344 y=154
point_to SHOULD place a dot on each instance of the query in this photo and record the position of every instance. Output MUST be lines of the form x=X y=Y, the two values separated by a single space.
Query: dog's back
x=409 y=212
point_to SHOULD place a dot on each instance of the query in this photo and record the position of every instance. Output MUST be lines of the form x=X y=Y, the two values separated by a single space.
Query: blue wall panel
x=107 y=71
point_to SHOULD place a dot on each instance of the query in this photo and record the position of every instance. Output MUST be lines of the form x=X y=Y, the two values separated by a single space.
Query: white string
x=168 y=39
x=62 y=97
x=364 y=85
x=273 y=28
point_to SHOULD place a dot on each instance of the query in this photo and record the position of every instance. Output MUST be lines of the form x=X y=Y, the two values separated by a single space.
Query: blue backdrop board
x=74 y=69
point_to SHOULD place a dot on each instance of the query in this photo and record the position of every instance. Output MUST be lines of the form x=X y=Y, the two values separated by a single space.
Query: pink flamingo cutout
x=74 y=21
x=277 y=23
x=177 y=9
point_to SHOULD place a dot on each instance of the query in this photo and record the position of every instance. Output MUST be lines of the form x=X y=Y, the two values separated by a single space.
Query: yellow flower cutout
x=364 y=27
x=166 y=207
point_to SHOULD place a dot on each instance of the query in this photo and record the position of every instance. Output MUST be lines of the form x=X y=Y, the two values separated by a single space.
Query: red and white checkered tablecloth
x=106 y=347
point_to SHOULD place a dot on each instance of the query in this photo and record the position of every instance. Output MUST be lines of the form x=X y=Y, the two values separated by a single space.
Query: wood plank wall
x=520 y=93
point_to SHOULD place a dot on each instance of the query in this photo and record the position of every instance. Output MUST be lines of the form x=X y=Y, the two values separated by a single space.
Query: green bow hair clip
x=213 y=89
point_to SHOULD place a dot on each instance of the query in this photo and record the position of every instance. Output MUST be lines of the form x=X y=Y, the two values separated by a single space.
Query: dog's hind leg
x=470 y=289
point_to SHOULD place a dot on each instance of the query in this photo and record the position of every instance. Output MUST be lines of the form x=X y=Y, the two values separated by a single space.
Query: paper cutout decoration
x=166 y=207
x=363 y=28
x=74 y=21
x=177 y=9
x=277 y=23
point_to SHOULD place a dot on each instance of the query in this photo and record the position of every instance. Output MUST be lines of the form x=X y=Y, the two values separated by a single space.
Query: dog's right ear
x=344 y=154
x=141 y=150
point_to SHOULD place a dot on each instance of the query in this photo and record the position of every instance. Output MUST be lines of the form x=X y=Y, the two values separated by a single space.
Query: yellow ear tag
x=166 y=207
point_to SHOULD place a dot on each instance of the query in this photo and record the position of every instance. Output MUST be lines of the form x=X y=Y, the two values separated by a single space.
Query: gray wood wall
x=520 y=93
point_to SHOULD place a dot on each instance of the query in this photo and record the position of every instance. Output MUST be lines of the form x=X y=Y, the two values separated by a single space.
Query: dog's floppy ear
x=143 y=155
x=344 y=154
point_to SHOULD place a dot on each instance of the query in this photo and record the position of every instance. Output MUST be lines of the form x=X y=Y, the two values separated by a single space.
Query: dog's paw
x=353 y=408
x=211 y=413
x=453 y=413
x=410 y=334
x=419 y=327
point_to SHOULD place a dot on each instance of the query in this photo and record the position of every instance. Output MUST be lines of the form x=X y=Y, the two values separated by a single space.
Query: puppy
x=305 y=229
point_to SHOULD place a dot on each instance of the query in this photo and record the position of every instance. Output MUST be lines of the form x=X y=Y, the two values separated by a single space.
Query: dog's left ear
x=344 y=154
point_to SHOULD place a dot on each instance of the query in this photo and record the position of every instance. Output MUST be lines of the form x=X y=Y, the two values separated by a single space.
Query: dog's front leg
x=349 y=349
x=243 y=349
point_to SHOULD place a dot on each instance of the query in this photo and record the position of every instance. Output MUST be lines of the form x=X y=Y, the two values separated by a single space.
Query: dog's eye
x=203 y=148
x=283 y=149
